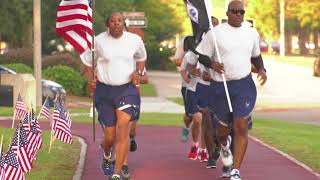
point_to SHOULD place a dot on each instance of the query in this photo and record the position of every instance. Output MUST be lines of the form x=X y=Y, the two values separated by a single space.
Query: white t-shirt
x=192 y=85
x=236 y=47
x=116 y=58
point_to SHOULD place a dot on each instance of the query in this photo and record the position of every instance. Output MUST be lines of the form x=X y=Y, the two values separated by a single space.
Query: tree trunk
x=303 y=36
x=288 y=43
x=316 y=40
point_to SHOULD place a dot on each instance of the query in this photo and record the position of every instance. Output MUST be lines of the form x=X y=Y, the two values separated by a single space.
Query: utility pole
x=37 y=49
x=282 y=24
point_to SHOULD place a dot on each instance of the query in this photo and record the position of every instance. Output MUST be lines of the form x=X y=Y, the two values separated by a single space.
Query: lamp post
x=37 y=49
x=282 y=24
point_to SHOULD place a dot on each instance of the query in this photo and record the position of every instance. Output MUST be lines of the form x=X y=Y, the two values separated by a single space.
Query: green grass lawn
x=297 y=60
x=60 y=164
x=177 y=100
x=298 y=140
x=148 y=90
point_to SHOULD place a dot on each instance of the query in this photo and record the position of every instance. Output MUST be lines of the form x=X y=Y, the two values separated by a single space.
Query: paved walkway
x=162 y=156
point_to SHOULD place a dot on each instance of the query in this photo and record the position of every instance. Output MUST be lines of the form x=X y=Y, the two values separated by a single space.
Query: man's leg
x=122 y=139
x=109 y=138
x=240 y=127
x=195 y=133
x=225 y=153
x=133 y=143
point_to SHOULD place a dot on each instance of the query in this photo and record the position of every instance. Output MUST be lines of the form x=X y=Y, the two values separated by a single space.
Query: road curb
x=81 y=162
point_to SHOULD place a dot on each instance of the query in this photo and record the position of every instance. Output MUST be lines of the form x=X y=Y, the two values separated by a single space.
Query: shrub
x=19 y=68
x=19 y=55
x=61 y=59
x=69 y=78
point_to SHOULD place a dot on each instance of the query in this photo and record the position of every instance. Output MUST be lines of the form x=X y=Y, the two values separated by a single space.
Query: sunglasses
x=236 y=11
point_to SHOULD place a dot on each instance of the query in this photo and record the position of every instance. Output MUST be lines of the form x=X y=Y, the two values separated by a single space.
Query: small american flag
x=2 y=166
x=74 y=23
x=20 y=109
x=12 y=169
x=19 y=147
x=26 y=122
x=34 y=137
x=61 y=123
x=45 y=110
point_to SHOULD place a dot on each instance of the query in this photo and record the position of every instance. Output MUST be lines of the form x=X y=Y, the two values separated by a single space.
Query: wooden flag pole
x=1 y=143
x=14 y=117
x=51 y=134
x=93 y=75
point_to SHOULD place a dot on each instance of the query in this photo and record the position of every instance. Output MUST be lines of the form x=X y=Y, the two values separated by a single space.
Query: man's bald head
x=234 y=3
x=235 y=13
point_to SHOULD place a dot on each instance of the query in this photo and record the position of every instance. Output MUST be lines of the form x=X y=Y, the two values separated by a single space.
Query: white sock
x=106 y=157
x=116 y=175
x=225 y=147
x=195 y=144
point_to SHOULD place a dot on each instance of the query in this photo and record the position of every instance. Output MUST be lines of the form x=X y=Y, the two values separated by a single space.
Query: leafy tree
x=15 y=20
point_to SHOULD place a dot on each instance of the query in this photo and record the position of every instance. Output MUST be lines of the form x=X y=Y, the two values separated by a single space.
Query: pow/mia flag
x=199 y=19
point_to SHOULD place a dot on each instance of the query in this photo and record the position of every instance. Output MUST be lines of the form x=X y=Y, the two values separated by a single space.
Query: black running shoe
x=125 y=175
x=211 y=163
x=133 y=145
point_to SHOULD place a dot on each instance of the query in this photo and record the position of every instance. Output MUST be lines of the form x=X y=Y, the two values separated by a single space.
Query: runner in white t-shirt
x=236 y=45
x=120 y=58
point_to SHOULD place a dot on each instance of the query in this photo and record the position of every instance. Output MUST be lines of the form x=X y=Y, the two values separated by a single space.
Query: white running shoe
x=235 y=174
x=225 y=154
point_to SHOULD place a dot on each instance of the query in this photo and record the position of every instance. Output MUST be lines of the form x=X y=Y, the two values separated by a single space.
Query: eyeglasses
x=236 y=11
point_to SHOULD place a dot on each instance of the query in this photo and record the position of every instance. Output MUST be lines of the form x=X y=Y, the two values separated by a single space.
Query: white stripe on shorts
x=124 y=107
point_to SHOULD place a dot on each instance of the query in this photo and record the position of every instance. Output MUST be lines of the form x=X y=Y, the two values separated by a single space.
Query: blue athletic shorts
x=183 y=93
x=243 y=96
x=197 y=100
x=109 y=98
x=203 y=93
x=192 y=103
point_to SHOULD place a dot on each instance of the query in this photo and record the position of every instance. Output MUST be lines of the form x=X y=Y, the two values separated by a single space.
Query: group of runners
x=230 y=53
x=206 y=67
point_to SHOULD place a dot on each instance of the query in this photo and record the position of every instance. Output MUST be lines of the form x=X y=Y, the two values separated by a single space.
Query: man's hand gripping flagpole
x=208 y=8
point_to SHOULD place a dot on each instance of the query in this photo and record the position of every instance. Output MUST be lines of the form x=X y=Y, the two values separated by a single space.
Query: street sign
x=141 y=23
x=135 y=19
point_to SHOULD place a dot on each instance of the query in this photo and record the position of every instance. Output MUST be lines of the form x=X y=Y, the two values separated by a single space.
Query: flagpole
x=208 y=7
x=51 y=134
x=14 y=117
x=93 y=68
x=1 y=143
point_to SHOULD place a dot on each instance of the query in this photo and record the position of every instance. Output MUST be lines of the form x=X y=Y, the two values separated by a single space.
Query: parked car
x=316 y=65
x=264 y=47
x=49 y=88
x=275 y=46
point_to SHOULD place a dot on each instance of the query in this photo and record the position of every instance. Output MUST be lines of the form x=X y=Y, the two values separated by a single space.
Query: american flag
x=2 y=166
x=74 y=23
x=45 y=110
x=35 y=134
x=19 y=147
x=20 y=109
x=61 y=123
x=12 y=168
